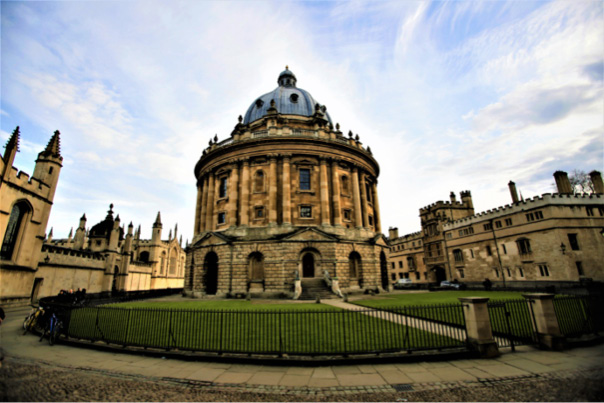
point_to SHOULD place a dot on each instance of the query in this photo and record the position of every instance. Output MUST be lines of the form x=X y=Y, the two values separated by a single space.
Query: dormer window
x=259 y=103
x=293 y=98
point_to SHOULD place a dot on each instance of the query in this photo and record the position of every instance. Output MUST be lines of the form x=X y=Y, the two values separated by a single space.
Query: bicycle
x=54 y=327
x=32 y=319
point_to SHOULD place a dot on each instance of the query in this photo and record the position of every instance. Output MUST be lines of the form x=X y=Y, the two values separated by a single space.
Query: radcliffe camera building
x=288 y=196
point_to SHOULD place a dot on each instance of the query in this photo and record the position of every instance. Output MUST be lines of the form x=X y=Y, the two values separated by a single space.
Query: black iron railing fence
x=296 y=332
x=580 y=315
x=512 y=322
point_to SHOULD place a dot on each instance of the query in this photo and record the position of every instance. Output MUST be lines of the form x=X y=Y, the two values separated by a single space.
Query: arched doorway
x=308 y=265
x=384 y=271
x=440 y=274
x=210 y=277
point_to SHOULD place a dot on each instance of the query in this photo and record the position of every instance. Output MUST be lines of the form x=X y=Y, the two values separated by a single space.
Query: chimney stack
x=513 y=192
x=393 y=233
x=596 y=181
x=562 y=182
x=452 y=197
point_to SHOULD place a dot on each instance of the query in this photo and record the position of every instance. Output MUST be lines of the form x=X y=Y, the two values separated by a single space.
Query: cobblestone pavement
x=27 y=380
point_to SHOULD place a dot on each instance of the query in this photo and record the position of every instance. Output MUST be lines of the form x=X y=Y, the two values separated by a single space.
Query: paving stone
x=478 y=373
x=265 y=378
x=346 y=370
x=206 y=374
x=322 y=382
x=299 y=371
x=452 y=374
x=367 y=369
x=423 y=377
x=395 y=376
x=234 y=377
x=360 y=379
x=294 y=380
x=530 y=365
x=323 y=373
x=504 y=370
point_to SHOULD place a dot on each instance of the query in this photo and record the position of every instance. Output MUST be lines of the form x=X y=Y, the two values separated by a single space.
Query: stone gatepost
x=545 y=323
x=478 y=326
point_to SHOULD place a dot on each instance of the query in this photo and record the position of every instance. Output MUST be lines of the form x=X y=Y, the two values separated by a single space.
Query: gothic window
x=458 y=255
x=259 y=181
x=222 y=191
x=304 y=179
x=13 y=230
x=524 y=246
x=173 y=261
x=162 y=263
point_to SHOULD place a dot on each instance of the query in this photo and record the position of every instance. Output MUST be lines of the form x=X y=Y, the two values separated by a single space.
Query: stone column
x=244 y=201
x=478 y=326
x=272 y=191
x=287 y=196
x=233 y=195
x=324 y=192
x=356 y=198
x=376 y=208
x=204 y=203
x=364 y=202
x=210 y=203
x=335 y=179
x=197 y=228
x=545 y=322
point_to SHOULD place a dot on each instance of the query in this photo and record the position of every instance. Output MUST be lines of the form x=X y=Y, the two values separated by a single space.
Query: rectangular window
x=498 y=224
x=538 y=215
x=304 y=179
x=508 y=221
x=393 y=276
x=461 y=274
x=259 y=212
x=346 y=214
x=496 y=272
x=472 y=253
x=505 y=251
x=574 y=243
x=222 y=191
x=489 y=252
x=520 y=272
x=543 y=270
x=305 y=211
x=221 y=218
x=601 y=210
x=580 y=268
x=488 y=227
x=449 y=235
x=524 y=246
x=368 y=189
x=400 y=275
x=400 y=264
x=393 y=265
x=460 y=232
x=589 y=211
x=507 y=269
x=370 y=218
x=417 y=275
x=530 y=217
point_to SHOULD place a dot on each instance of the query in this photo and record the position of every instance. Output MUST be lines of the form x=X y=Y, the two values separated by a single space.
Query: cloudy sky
x=449 y=95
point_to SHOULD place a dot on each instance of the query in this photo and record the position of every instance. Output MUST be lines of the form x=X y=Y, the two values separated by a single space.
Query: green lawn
x=437 y=297
x=242 y=326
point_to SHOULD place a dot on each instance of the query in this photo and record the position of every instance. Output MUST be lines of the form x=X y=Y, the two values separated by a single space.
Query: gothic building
x=286 y=199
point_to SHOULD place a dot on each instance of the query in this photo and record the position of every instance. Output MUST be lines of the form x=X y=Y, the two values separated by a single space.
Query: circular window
x=259 y=103
x=293 y=98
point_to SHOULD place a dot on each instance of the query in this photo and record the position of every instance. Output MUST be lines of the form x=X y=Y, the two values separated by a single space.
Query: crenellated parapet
x=546 y=199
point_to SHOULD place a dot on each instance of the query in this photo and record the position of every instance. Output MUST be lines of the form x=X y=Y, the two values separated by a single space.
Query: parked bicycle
x=32 y=319
x=54 y=327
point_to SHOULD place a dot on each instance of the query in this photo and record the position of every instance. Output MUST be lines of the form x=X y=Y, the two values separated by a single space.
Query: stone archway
x=439 y=274
x=384 y=271
x=210 y=277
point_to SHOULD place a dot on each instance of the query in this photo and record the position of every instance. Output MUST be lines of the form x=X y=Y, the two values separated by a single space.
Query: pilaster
x=244 y=202
x=356 y=198
x=210 y=203
x=335 y=179
x=324 y=192
x=233 y=195
x=287 y=213
x=272 y=190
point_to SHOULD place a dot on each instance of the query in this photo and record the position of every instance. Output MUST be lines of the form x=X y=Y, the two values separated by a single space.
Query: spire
x=54 y=146
x=157 y=222
x=70 y=234
x=83 y=217
x=13 y=140
x=176 y=231
x=180 y=240
x=170 y=235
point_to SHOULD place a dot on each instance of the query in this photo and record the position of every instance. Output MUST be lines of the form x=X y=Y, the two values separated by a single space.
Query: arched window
x=162 y=263
x=173 y=261
x=256 y=262
x=14 y=229
x=354 y=265
x=259 y=181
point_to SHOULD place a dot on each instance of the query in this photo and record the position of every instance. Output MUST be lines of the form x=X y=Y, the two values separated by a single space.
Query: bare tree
x=580 y=182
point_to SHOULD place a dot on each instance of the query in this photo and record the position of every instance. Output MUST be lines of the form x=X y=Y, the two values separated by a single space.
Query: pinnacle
x=13 y=140
x=54 y=145
x=158 y=219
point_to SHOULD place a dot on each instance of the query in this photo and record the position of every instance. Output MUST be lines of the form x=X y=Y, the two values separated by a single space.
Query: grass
x=438 y=297
x=242 y=326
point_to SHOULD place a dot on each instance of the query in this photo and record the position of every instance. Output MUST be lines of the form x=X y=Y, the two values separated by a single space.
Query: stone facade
x=406 y=258
x=286 y=196
x=25 y=205
x=550 y=238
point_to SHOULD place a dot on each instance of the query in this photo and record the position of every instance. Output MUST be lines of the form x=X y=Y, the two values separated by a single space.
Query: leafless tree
x=580 y=182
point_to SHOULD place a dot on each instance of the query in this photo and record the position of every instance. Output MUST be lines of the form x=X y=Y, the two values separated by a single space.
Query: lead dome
x=289 y=100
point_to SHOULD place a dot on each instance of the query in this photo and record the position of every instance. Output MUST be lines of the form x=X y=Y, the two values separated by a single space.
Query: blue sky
x=449 y=95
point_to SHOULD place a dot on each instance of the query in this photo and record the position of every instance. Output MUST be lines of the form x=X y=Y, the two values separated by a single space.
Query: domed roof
x=104 y=228
x=289 y=100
